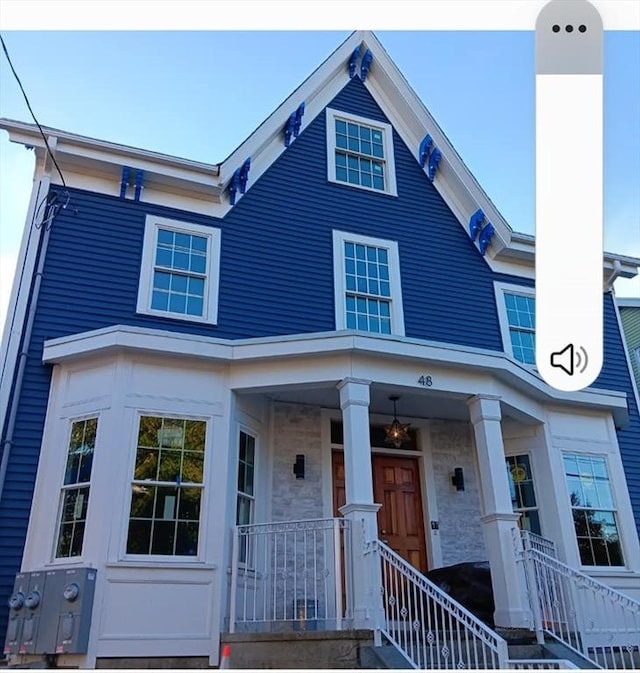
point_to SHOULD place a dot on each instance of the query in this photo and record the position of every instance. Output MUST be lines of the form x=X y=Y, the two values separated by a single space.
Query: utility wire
x=15 y=74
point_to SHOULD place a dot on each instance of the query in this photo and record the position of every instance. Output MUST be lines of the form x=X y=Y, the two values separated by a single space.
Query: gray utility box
x=17 y=613
x=50 y=612
x=32 y=613
x=75 y=607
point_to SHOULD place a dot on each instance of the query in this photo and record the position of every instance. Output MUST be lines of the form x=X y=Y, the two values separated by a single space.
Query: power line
x=15 y=74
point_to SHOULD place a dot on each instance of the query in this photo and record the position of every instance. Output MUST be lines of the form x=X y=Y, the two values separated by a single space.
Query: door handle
x=383 y=532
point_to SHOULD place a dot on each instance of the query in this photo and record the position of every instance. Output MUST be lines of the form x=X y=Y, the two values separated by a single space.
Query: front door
x=396 y=486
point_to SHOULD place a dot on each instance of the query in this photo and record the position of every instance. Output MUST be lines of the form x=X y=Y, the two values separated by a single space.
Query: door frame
x=415 y=457
x=428 y=478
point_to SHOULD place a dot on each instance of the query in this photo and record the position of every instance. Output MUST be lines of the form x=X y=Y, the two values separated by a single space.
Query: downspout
x=50 y=213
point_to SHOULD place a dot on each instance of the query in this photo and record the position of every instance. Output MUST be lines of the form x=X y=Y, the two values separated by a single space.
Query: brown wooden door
x=396 y=486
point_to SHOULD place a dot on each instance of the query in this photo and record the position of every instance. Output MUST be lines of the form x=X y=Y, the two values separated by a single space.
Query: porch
x=292 y=586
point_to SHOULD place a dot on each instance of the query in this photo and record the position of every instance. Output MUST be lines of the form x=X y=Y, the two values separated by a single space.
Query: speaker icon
x=570 y=359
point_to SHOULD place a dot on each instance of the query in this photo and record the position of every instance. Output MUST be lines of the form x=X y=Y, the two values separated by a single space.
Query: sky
x=199 y=94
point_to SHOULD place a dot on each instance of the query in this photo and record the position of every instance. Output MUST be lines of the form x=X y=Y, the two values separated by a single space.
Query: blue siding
x=615 y=375
x=276 y=278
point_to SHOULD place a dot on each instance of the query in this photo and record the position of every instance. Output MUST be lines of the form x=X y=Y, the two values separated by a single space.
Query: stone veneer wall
x=296 y=429
x=461 y=534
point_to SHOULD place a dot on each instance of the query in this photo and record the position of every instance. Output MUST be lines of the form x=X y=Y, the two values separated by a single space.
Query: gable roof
x=401 y=105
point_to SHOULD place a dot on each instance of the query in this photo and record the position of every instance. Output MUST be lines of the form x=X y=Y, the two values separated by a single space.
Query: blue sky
x=199 y=94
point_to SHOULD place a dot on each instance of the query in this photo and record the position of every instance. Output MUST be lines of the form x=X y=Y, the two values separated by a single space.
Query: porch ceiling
x=413 y=403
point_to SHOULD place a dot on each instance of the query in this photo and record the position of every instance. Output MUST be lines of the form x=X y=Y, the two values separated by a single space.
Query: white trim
x=625 y=346
x=516 y=452
x=388 y=159
x=166 y=560
x=621 y=525
x=62 y=459
x=502 y=369
x=500 y=290
x=397 y=311
x=152 y=226
x=16 y=316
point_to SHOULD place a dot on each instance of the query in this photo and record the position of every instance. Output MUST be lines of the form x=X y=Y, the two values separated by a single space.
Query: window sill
x=161 y=564
x=364 y=188
x=176 y=316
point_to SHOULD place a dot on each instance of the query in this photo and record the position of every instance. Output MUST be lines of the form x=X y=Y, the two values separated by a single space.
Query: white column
x=359 y=507
x=499 y=519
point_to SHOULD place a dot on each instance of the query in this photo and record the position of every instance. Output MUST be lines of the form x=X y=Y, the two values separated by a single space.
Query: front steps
x=353 y=649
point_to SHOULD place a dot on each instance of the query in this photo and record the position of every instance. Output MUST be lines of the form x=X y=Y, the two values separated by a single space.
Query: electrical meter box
x=50 y=612
x=33 y=613
x=17 y=613
x=74 y=614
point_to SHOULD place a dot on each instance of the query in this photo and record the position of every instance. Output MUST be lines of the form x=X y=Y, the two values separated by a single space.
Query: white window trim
x=500 y=290
x=513 y=453
x=212 y=282
x=621 y=524
x=165 y=560
x=339 y=272
x=62 y=488
x=389 y=160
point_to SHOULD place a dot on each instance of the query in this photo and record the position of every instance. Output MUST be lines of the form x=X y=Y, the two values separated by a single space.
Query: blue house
x=268 y=395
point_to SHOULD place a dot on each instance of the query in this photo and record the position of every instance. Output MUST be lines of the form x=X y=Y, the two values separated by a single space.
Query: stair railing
x=587 y=616
x=428 y=627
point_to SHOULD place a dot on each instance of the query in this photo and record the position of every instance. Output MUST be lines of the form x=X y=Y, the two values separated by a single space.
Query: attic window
x=360 y=152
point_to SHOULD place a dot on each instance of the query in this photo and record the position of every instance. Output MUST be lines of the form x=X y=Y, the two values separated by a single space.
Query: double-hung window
x=180 y=270
x=360 y=152
x=523 y=496
x=517 y=313
x=246 y=488
x=367 y=284
x=593 y=508
x=167 y=486
x=75 y=491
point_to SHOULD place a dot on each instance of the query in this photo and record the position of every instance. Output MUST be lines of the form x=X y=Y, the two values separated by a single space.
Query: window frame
x=523 y=510
x=501 y=290
x=339 y=284
x=246 y=554
x=615 y=510
x=153 y=224
x=77 y=485
x=169 y=559
x=388 y=159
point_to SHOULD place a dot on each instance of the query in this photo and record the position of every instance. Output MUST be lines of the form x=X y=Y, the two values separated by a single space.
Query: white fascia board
x=172 y=344
x=266 y=143
x=628 y=302
x=102 y=157
x=522 y=247
x=121 y=338
x=412 y=120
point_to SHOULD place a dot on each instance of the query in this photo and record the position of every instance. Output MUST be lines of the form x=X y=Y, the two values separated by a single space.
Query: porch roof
x=459 y=370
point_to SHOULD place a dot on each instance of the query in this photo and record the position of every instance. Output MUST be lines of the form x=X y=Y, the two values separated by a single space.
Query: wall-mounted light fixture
x=397 y=432
x=458 y=479
x=298 y=466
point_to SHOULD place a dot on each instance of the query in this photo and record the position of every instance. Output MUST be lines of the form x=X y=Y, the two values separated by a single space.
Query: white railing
x=291 y=575
x=427 y=626
x=592 y=619
x=541 y=544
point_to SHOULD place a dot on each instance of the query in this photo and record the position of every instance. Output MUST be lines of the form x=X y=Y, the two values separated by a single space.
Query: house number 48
x=425 y=381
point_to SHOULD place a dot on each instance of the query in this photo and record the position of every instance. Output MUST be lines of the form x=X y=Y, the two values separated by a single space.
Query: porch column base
x=366 y=578
x=507 y=576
